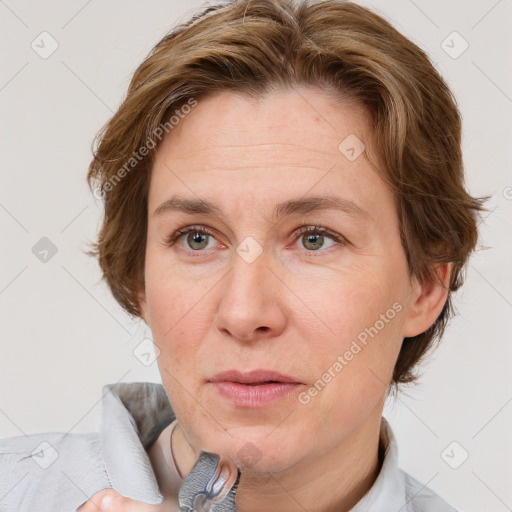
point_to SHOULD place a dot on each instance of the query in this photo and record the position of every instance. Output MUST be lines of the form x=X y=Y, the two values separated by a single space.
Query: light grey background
x=62 y=334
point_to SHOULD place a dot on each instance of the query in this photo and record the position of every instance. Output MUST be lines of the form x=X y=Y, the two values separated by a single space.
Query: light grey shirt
x=59 y=472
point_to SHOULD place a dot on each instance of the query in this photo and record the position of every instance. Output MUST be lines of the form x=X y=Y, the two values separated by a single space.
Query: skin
x=206 y=308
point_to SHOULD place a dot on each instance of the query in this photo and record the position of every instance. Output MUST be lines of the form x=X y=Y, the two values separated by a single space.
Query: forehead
x=232 y=146
x=303 y=117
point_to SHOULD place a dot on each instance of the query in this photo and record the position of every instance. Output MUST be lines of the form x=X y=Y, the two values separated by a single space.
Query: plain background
x=63 y=336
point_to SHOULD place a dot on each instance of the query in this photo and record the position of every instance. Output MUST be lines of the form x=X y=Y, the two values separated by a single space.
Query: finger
x=109 y=500
x=102 y=501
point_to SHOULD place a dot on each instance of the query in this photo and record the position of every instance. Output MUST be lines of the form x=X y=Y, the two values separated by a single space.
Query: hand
x=109 y=500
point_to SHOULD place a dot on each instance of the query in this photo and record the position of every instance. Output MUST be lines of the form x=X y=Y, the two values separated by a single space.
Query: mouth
x=258 y=383
x=254 y=377
x=254 y=389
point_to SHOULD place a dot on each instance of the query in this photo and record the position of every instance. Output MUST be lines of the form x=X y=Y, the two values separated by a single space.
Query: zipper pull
x=211 y=485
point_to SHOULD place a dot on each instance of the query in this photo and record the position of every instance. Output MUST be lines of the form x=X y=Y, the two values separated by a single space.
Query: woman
x=285 y=209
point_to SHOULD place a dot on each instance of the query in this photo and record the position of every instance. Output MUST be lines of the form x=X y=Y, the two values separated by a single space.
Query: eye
x=313 y=238
x=197 y=238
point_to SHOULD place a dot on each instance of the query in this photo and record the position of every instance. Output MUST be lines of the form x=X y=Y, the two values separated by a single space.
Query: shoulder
x=420 y=498
x=50 y=471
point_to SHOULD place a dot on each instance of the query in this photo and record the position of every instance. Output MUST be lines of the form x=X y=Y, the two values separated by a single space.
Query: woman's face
x=327 y=308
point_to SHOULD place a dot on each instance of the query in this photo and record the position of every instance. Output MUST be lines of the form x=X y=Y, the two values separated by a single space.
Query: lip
x=253 y=377
x=254 y=389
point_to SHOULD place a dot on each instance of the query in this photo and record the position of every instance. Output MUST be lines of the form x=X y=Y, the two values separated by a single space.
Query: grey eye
x=313 y=241
x=197 y=240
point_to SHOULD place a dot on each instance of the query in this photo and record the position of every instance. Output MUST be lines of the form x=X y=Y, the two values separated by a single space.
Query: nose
x=252 y=304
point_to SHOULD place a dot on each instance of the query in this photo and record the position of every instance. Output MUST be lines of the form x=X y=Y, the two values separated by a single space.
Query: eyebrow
x=290 y=207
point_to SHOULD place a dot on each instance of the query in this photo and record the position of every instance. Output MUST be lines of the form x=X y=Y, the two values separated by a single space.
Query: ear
x=428 y=300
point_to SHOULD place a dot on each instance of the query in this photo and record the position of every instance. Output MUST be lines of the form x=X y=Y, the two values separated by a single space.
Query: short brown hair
x=255 y=46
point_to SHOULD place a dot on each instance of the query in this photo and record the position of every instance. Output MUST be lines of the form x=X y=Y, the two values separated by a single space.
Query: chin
x=258 y=452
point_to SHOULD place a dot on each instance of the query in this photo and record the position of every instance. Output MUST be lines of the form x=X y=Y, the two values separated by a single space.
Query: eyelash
x=169 y=241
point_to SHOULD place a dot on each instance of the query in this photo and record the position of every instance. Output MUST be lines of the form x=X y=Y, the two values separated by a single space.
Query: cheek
x=354 y=337
x=174 y=310
x=346 y=304
x=170 y=295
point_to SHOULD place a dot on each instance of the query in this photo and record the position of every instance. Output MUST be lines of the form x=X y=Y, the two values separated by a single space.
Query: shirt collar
x=134 y=414
x=389 y=488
